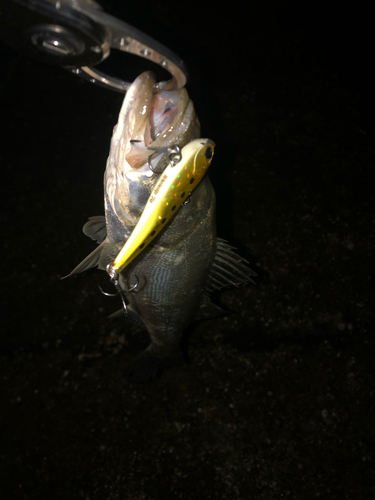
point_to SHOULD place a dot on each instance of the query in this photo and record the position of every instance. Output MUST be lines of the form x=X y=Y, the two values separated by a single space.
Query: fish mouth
x=148 y=121
x=154 y=120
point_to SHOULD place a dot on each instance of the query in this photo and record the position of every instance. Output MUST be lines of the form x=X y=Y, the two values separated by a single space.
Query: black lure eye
x=208 y=153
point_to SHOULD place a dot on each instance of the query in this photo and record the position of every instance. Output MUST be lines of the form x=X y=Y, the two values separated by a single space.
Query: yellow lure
x=174 y=186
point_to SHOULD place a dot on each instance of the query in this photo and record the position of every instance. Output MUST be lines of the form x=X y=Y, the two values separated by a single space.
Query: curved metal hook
x=132 y=287
x=173 y=154
x=106 y=293
x=113 y=276
x=150 y=165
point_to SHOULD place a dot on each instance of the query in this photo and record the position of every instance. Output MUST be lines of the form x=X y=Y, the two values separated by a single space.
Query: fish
x=172 y=278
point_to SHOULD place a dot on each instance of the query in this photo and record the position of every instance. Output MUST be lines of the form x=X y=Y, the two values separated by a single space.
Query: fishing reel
x=78 y=35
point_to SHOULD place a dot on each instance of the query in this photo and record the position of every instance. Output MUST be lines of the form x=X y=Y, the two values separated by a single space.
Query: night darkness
x=278 y=398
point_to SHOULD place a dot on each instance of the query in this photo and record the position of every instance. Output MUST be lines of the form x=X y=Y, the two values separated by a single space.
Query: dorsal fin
x=228 y=268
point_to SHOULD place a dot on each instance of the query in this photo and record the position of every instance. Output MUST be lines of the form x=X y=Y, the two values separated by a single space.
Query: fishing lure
x=175 y=185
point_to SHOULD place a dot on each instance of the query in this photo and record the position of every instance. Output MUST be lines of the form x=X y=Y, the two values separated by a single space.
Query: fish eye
x=208 y=153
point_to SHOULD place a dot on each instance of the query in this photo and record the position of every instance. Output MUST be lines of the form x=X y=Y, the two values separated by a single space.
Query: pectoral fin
x=96 y=228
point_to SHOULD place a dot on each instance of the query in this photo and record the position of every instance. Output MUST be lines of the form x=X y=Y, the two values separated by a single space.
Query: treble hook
x=173 y=154
x=113 y=278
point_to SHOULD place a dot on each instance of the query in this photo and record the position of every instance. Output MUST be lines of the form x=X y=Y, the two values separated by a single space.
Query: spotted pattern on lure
x=173 y=188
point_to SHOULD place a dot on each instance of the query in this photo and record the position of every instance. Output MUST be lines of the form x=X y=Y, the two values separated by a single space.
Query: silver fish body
x=186 y=260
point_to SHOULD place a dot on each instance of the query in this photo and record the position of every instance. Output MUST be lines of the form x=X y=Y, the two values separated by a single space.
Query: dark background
x=278 y=401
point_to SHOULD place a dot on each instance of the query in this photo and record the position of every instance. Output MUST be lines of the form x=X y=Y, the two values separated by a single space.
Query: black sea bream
x=186 y=261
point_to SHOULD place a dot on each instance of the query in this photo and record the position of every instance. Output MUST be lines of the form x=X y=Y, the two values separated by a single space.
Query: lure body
x=174 y=186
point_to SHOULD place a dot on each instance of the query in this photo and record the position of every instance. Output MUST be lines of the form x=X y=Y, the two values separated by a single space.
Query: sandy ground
x=278 y=399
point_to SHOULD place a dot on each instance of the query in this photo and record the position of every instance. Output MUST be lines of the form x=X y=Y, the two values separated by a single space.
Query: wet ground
x=278 y=400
